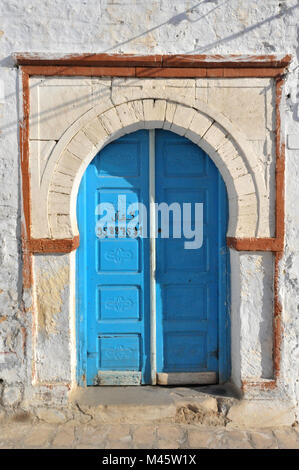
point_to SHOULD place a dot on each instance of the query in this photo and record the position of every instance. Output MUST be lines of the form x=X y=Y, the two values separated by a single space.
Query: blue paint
x=113 y=278
x=119 y=352
x=191 y=305
x=113 y=274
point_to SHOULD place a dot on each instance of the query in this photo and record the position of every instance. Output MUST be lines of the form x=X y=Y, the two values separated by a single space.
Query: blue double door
x=152 y=310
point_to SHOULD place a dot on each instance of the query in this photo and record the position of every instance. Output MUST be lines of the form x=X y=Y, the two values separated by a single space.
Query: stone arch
x=213 y=132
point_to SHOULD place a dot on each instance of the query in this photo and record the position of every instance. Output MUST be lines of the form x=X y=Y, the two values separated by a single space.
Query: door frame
x=224 y=356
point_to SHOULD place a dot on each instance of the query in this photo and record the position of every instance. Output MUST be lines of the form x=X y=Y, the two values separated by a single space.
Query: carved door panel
x=116 y=277
x=188 y=277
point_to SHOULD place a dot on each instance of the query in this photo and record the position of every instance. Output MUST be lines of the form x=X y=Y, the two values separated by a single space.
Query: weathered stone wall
x=143 y=27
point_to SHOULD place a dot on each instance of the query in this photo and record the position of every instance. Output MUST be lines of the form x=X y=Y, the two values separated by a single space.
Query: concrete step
x=206 y=406
x=202 y=405
x=213 y=405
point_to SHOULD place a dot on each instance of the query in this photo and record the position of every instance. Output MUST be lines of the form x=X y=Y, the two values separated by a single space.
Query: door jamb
x=153 y=316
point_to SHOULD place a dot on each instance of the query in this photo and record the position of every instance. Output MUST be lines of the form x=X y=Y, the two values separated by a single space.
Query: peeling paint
x=49 y=292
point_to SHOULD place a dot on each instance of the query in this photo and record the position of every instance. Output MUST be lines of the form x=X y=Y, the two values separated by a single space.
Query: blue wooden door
x=115 y=316
x=113 y=273
x=191 y=283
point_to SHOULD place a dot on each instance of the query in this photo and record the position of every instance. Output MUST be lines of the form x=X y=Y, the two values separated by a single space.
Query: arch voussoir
x=107 y=122
x=95 y=131
x=154 y=113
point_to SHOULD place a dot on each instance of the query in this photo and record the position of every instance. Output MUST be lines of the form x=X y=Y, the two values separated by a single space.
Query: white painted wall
x=145 y=27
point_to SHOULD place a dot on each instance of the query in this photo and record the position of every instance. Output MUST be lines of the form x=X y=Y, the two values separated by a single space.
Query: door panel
x=114 y=287
x=188 y=290
x=113 y=274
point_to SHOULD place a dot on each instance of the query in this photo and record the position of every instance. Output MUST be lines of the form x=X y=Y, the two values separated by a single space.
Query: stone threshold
x=213 y=405
x=204 y=406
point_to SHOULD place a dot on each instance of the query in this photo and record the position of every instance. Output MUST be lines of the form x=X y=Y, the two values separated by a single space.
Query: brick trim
x=255 y=244
x=158 y=61
x=205 y=66
x=152 y=72
x=50 y=245
x=167 y=66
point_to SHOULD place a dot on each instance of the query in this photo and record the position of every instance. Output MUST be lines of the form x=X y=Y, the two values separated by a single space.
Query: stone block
x=237 y=167
x=198 y=126
x=168 y=444
x=244 y=185
x=235 y=440
x=154 y=113
x=169 y=113
x=144 y=435
x=263 y=440
x=131 y=114
x=227 y=151
x=62 y=181
x=95 y=131
x=56 y=105
x=120 y=433
x=215 y=136
x=39 y=436
x=69 y=164
x=59 y=203
x=51 y=415
x=287 y=438
x=169 y=432
x=182 y=119
x=81 y=146
x=65 y=437
x=261 y=414
x=60 y=226
x=111 y=121
x=244 y=106
x=201 y=438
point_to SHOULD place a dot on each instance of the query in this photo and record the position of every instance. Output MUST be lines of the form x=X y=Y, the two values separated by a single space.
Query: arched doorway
x=152 y=304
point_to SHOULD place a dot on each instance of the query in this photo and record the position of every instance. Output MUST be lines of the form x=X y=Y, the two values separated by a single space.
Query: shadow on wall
x=295 y=105
x=173 y=21
x=266 y=326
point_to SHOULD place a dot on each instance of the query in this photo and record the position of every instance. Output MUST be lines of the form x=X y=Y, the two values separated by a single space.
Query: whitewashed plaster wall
x=143 y=27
